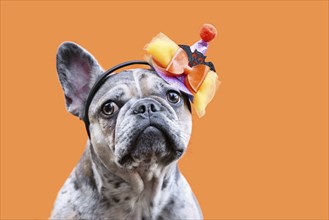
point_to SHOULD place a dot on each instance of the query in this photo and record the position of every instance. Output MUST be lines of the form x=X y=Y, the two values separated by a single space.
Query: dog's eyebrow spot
x=164 y=86
x=161 y=84
x=118 y=94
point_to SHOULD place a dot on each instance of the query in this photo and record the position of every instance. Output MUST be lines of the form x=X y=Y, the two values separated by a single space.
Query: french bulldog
x=140 y=127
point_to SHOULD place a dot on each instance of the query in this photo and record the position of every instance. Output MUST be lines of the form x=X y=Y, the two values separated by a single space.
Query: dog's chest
x=98 y=195
x=122 y=202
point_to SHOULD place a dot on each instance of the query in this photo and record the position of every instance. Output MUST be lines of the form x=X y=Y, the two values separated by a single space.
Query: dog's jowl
x=139 y=128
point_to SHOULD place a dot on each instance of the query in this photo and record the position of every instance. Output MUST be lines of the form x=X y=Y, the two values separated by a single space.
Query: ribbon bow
x=179 y=65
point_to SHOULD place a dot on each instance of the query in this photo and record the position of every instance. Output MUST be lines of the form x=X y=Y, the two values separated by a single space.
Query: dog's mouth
x=153 y=144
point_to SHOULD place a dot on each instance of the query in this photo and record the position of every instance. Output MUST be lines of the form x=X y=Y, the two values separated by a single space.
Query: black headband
x=100 y=81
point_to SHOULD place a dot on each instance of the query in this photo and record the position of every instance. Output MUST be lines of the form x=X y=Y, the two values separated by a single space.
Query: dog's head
x=136 y=118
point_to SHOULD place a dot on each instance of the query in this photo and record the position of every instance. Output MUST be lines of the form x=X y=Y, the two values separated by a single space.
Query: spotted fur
x=129 y=168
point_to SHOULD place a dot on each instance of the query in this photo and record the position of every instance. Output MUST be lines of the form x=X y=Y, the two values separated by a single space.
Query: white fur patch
x=139 y=91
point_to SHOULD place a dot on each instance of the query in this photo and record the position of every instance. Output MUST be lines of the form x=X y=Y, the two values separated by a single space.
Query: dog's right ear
x=77 y=71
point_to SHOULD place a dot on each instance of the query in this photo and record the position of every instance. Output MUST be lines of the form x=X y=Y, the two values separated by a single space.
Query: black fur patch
x=116 y=200
x=164 y=184
x=117 y=185
x=76 y=185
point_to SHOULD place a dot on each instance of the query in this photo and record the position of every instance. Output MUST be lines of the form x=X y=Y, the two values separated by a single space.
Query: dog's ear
x=77 y=71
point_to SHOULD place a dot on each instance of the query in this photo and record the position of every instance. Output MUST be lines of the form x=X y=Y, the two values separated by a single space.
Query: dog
x=139 y=128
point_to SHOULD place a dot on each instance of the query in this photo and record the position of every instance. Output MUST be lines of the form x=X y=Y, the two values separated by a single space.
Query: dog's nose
x=146 y=106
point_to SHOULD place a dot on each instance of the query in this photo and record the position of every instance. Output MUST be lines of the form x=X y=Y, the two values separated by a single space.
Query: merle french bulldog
x=139 y=127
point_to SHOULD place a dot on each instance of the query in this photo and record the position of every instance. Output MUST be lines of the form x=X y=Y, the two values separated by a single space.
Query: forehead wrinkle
x=124 y=88
x=117 y=92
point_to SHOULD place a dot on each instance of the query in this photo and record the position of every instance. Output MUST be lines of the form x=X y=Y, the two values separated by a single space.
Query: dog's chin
x=151 y=146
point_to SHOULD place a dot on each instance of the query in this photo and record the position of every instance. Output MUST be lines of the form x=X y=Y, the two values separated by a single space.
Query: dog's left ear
x=77 y=71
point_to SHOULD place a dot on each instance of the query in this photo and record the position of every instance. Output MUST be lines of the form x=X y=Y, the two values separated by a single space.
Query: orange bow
x=179 y=65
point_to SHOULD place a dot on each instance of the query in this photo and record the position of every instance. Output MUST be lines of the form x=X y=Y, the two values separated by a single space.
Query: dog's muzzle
x=152 y=135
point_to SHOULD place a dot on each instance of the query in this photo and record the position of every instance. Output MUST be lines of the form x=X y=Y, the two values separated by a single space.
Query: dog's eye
x=109 y=108
x=173 y=96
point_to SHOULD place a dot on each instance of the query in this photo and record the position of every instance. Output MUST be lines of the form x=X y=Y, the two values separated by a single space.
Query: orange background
x=260 y=152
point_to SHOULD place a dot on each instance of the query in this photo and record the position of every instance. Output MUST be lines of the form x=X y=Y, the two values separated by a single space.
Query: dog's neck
x=129 y=189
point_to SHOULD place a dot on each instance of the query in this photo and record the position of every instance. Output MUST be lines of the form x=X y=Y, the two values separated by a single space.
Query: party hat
x=185 y=67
